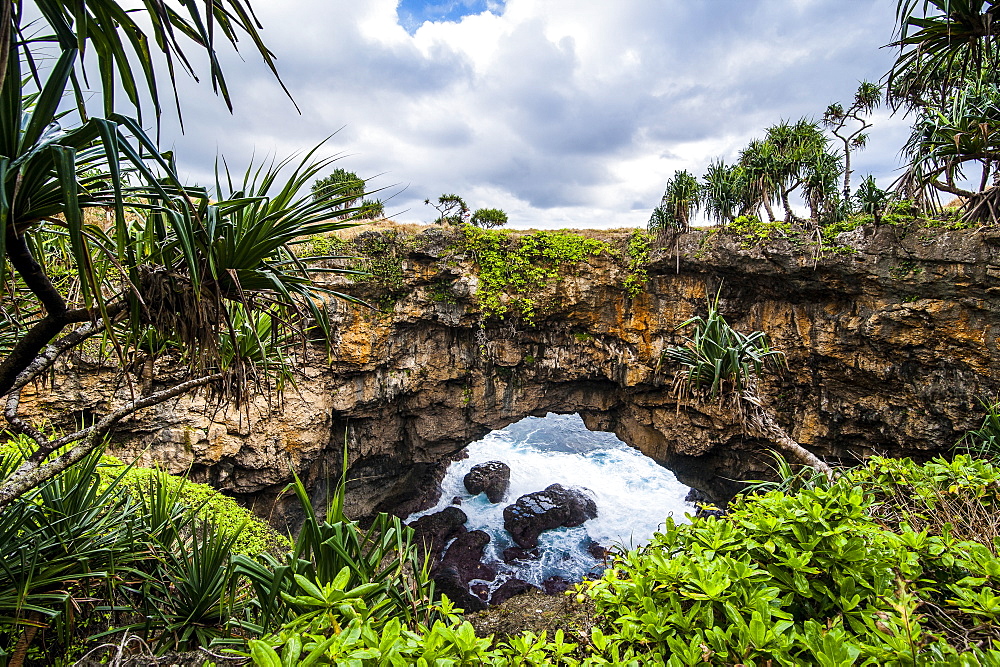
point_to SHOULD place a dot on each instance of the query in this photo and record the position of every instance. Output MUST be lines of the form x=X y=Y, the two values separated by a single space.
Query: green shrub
x=254 y=535
x=815 y=578
x=488 y=218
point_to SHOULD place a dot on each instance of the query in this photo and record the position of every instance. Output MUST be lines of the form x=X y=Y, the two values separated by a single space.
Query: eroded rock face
x=491 y=478
x=888 y=347
x=556 y=506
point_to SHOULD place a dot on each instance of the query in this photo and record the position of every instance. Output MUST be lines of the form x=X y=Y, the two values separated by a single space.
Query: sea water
x=634 y=494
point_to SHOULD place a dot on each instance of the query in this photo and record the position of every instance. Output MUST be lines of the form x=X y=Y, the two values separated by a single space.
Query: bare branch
x=32 y=472
x=17 y=424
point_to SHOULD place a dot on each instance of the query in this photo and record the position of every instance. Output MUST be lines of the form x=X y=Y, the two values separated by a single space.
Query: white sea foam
x=634 y=494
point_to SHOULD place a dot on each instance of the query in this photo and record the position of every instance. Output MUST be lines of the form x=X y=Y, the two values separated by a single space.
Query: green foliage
x=371 y=209
x=752 y=231
x=984 y=442
x=380 y=265
x=514 y=269
x=349 y=186
x=126 y=543
x=872 y=200
x=809 y=579
x=488 y=218
x=452 y=210
x=253 y=535
x=681 y=198
x=716 y=360
x=637 y=256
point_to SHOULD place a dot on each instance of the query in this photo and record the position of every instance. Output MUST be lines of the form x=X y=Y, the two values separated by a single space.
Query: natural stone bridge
x=889 y=348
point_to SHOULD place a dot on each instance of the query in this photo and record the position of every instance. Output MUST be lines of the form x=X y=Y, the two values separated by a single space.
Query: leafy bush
x=488 y=218
x=814 y=578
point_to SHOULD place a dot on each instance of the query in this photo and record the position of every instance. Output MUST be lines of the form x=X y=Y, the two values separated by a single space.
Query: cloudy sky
x=565 y=113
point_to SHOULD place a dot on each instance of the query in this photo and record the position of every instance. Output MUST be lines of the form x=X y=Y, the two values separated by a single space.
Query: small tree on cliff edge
x=489 y=218
x=719 y=364
x=452 y=210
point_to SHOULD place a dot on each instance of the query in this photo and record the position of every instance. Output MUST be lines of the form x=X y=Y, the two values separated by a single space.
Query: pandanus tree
x=761 y=167
x=144 y=264
x=943 y=45
x=681 y=198
x=820 y=184
x=723 y=191
x=849 y=125
x=956 y=149
x=719 y=365
x=946 y=71
x=795 y=147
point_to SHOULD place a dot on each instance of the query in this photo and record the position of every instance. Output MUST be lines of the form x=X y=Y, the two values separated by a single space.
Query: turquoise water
x=633 y=493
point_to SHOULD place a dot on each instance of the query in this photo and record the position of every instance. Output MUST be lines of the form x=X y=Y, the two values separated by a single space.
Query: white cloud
x=563 y=112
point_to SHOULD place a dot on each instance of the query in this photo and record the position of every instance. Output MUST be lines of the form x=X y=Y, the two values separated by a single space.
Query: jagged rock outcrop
x=889 y=344
x=432 y=532
x=556 y=506
x=491 y=478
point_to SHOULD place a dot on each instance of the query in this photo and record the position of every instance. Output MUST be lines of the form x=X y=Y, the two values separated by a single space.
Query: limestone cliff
x=890 y=344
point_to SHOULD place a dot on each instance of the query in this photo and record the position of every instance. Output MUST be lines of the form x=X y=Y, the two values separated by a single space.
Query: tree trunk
x=770 y=429
x=847 y=172
x=770 y=211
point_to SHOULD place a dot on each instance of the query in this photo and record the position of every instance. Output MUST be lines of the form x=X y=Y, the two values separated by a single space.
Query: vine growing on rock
x=514 y=270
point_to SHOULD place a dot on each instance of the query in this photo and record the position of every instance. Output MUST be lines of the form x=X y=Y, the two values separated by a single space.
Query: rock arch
x=878 y=361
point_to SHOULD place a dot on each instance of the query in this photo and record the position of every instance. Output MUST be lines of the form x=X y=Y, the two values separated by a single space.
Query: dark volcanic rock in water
x=466 y=555
x=536 y=512
x=696 y=496
x=597 y=550
x=449 y=582
x=511 y=554
x=480 y=590
x=434 y=531
x=556 y=585
x=493 y=477
x=509 y=589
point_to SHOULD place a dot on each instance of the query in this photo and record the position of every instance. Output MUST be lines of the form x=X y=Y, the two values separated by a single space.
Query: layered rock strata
x=889 y=343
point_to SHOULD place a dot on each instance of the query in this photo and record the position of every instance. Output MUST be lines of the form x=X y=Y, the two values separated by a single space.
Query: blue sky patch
x=413 y=13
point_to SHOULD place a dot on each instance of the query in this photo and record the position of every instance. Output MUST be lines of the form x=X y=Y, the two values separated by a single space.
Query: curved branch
x=32 y=472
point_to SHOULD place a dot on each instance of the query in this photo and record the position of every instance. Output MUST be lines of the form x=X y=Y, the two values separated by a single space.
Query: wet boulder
x=555 y=585
x=512 y=554
x=448 y=581
x=509 y=589
x=465 y=554
x=434 y=531
x=556 y=506
x=492 y=477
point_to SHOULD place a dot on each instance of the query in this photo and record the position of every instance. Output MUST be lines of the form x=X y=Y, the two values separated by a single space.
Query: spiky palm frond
x=125 y=40
x=942 y=45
